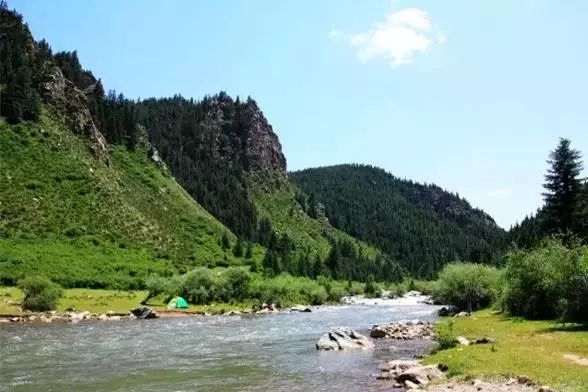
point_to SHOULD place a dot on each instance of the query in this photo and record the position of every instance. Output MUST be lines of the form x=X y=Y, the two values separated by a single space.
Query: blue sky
x=469 y=94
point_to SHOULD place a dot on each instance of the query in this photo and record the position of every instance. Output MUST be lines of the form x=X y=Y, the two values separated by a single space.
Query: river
x=216 y=353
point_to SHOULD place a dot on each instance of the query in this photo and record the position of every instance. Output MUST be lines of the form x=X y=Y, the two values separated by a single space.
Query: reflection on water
x=253 y=353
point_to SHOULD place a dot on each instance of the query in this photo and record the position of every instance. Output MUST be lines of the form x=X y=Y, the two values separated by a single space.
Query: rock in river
x=144 y=312
x=404 y=331
x=343 y=339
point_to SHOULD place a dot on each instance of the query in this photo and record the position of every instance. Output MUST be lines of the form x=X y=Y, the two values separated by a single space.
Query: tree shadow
x=566 y=328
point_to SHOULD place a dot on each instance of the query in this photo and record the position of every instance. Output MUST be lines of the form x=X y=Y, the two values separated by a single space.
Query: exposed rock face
x=403 y=331
x=342 y=339
x=262 y=149
x=71 y=103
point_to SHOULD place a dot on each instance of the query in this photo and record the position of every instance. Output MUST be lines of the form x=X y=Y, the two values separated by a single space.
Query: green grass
x=118 y=301
x=89 y=223
x=94 y=301
x=532 y=348
x=277 y=201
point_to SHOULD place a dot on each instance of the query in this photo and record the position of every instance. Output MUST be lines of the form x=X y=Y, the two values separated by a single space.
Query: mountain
x=421 y=226
x=102 y=191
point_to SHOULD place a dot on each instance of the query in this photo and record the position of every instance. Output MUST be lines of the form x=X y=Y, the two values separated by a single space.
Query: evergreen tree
x=563 y=187
x=225 y=242
x=238 y=248
x=249 y=251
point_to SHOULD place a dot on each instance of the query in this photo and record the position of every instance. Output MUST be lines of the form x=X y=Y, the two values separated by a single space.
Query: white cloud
x=499 y=193
x=398 y=39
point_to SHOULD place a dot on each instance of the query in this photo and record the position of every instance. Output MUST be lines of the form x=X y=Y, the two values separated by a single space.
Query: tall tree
x=563 y=186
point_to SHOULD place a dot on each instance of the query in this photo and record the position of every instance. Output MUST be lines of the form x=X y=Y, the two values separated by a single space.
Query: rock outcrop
x=262 y=150
x=71 y=103
x=343 y=339
x=403 y=330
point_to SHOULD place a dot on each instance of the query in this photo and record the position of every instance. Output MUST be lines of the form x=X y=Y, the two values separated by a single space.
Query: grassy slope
x=287 y=216
x=85 y=223
x=533 y=348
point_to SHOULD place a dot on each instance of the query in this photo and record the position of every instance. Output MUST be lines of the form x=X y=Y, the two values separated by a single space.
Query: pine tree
x=249 y=251
x=238 y=248
x=563 y=187
x=225 y=242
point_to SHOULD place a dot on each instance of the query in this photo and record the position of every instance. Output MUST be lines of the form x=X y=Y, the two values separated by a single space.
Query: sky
x=471 y=95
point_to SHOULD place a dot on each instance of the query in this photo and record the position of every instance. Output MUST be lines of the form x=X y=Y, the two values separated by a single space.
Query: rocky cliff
x=71 y=103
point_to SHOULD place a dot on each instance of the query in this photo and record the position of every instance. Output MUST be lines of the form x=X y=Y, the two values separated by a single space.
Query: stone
x=343 y=339
x=484 y=340
x=421 y=374
x=144 y=312
x=447 y=311
x=403 y=331
x=300 y=309
x=410 y=385
x=463 y=341
x=462 y=314
x=524 y=380
x=545 y=388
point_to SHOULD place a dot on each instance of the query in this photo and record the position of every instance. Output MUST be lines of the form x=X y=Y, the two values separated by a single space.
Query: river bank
x=545 y=352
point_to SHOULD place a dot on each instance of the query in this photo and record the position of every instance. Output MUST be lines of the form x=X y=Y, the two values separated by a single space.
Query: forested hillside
x=117 y=189
x=421 y=226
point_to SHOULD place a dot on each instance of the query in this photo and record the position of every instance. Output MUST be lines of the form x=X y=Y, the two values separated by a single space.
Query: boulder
x=447 y=311
x=410 y=373
x=300 y=309
x=343 y=339
x=421 y=375
x=403 y=331
x=144 y=312
x=410 y=385
x=484 y=340
x=463 y=341
x=524 y=380
x=545 y=388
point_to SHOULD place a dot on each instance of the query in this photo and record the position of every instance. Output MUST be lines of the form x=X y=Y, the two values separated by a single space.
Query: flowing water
x=225 y=353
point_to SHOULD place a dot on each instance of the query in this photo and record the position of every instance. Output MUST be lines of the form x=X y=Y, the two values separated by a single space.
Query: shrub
x=201 y=286
x=155 y=285
x=467 y=286
x=237 y=282
x=372 y=289
x=548 y=282
x=40 y=294
x=445 y=337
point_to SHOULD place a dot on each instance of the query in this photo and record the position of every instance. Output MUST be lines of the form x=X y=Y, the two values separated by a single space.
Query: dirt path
x=576 y=359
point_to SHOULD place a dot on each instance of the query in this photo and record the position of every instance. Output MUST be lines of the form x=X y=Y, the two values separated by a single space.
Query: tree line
x=565 y=210
x=421 y=226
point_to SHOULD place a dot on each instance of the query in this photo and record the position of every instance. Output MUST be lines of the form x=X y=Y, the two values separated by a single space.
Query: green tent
x=177 y=303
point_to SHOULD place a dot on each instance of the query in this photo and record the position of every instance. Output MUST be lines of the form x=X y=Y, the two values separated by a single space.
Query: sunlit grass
x=532 y=348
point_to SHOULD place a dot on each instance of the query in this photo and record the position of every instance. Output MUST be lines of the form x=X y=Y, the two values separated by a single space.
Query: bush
x=372 y=289
x=201 y=286
x=237 y=282
x=467 y=286
x=445 y=337
x=286 y=290
x=41 y=294
x=548 y=282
